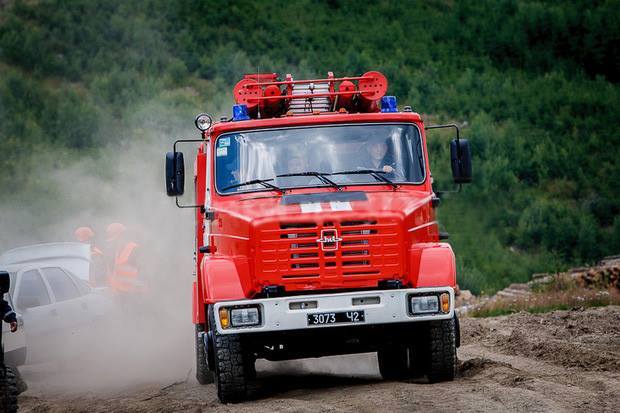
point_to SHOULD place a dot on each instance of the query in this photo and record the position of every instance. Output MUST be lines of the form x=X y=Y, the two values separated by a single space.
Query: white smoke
x=150 y=340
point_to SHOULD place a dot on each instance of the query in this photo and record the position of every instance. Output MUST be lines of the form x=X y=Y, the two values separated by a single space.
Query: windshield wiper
x=319 y=175
x=374 y=173
x=263 y=182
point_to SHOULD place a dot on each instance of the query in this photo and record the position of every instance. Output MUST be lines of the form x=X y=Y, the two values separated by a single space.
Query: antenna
x=258 y=78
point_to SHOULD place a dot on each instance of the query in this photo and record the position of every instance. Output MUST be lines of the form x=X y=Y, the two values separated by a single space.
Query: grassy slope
x=535 y=85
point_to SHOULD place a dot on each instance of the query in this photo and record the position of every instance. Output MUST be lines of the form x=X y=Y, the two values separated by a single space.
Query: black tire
x=8 y=391
x=235 y=371
x=19 y=381
x=442 y=351
x=393 y=362
x=203 y=374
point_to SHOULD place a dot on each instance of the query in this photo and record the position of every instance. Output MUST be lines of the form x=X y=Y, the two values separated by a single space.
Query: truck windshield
x=394 y=150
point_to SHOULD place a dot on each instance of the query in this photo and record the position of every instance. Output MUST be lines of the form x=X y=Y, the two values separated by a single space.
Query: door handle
x=84 y=306
x=54 y=312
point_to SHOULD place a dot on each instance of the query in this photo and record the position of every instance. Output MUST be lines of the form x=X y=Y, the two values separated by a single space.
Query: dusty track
x=561 y=361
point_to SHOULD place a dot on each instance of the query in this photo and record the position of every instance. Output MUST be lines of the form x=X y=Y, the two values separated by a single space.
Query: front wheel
x=234 y=366
x=442 y=351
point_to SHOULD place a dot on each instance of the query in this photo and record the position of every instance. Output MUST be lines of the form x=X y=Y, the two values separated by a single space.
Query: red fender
x=221 y=280
x=433 y=265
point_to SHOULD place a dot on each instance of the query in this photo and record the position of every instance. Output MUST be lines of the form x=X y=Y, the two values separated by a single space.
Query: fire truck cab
x=316 y=232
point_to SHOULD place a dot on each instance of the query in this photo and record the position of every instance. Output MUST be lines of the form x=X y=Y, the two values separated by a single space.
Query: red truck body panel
x=258 y=241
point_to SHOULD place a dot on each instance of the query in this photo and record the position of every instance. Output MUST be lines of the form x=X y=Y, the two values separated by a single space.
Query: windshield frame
x=415 y=125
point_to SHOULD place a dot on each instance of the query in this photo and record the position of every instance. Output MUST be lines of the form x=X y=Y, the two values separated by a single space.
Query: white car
x=53 y=305
x=73 y=256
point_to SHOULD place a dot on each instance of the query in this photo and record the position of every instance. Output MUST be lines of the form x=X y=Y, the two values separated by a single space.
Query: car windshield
x=345 y=155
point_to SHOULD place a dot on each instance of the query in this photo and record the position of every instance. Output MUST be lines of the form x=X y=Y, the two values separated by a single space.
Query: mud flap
x=208 y=339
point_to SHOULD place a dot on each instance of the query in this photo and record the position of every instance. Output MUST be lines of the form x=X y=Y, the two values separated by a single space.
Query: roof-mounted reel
x=266 y=96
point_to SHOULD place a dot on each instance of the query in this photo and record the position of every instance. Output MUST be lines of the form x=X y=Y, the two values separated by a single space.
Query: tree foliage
x=534 y=83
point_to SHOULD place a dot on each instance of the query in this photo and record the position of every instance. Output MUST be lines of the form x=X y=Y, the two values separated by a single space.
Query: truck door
x=34 y=302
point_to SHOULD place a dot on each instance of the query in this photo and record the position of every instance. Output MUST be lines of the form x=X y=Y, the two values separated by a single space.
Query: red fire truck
x=316 y=232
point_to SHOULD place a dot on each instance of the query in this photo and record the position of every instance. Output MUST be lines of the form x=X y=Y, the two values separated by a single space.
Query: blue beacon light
x=240 y=112
x=388 y=104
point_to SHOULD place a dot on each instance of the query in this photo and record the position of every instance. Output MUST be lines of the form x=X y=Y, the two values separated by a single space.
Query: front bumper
x=379 y=306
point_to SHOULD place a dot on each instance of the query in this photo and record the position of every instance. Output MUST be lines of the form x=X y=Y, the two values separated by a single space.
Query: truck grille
x=329 y=254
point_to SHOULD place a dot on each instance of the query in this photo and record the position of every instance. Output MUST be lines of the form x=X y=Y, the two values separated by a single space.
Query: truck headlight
x=425 y=304
x=203 y=122
x=242 y=317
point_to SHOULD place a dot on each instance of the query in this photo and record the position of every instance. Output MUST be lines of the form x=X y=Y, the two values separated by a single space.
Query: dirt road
x=560 y=361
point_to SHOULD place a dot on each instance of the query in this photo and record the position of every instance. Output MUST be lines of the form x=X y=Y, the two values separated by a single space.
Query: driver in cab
x=380 y=160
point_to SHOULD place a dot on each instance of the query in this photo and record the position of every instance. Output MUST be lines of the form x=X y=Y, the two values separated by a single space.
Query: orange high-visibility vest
x=124 y=276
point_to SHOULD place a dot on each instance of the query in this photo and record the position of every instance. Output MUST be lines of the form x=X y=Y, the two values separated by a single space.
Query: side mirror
x=28 y=301
x=5 y=282
x=175 y=174
x=460 y=156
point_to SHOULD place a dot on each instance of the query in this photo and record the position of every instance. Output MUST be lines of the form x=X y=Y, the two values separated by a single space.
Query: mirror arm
x=174 y=146
x=458 y=150
x=176 y=200
x=451 y=125
x=174 y=149
x=458 y=134
x=440 y=193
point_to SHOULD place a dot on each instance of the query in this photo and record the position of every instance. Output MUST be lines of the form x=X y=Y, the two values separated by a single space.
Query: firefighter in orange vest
x=124 y=276
x=98 y=267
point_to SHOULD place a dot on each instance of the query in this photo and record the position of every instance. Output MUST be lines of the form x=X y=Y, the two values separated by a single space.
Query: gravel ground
x=559 y=361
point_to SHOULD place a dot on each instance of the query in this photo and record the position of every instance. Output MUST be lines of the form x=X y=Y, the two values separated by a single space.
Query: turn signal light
x=224 y=319
x=445 y=302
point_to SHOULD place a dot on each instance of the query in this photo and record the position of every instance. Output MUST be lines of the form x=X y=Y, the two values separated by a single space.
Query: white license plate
x=336 y=317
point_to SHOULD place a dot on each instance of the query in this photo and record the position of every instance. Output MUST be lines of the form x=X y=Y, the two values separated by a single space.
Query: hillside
x=534 y=84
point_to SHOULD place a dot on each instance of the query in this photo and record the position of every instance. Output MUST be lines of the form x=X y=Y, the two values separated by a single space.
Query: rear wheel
x=441 y=351
x=234 y=366
x=203 y=374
